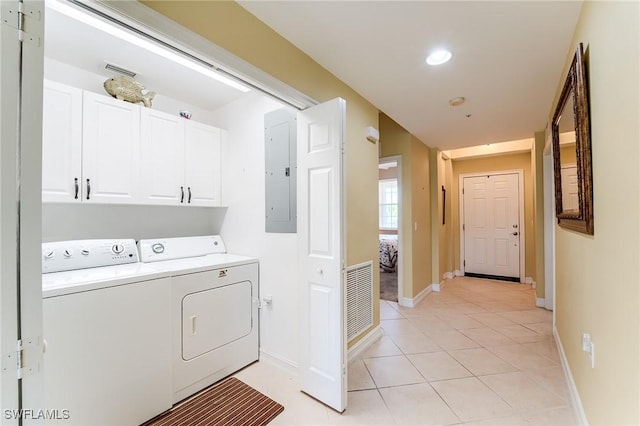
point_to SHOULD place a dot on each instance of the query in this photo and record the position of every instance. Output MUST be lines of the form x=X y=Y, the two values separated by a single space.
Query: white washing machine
x=214 y=308
x=108 y=357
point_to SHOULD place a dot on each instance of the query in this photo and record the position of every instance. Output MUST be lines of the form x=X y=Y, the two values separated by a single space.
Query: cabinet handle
x=88 y=188
x=77 y=188
x=189 y=189
x=182 y=194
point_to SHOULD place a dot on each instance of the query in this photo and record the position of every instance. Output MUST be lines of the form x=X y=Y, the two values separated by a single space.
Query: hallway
x=478 y=352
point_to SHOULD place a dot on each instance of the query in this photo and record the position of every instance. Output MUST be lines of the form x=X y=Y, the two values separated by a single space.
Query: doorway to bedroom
x=389 y=226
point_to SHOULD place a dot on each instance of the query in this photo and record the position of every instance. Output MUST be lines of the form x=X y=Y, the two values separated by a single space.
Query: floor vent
x=359 y=299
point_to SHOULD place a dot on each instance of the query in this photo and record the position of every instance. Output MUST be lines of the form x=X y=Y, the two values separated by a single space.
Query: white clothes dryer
x=214 y=297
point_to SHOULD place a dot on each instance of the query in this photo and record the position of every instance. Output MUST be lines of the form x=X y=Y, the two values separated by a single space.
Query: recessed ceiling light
x=456 y=101
x=438 y=57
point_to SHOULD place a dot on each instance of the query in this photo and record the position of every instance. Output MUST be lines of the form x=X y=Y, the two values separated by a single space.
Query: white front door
x=492 y=225
x=321 y=241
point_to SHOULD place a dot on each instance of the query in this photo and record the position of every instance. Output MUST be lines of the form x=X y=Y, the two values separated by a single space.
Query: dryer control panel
x=180 y=248
x=81 y=254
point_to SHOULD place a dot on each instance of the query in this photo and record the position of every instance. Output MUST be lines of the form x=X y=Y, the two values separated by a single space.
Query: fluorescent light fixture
x=141 y=42
x=438 y=57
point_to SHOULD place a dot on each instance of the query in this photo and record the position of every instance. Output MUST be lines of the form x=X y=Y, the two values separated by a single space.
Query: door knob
x=320 y=271
x=514 y=233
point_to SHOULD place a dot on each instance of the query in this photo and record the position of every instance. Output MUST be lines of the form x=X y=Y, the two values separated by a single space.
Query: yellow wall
x=568 y=154
x=442 y=239
x=415 y=250
x=597 y=276
x=420 y=216
x=231 y=27
x=489 y=164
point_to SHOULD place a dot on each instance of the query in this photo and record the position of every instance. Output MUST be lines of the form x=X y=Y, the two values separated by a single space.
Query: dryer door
x=215 y=317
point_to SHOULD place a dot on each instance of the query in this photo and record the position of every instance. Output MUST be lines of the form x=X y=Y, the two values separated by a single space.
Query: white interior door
x=492 y=225
x=21 y=77
x=321 y=238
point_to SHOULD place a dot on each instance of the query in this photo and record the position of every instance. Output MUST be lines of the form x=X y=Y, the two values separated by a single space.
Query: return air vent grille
x=359 y=299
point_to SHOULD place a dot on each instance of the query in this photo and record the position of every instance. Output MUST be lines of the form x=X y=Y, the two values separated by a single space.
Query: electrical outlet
x=586 y=342
x=589 y=347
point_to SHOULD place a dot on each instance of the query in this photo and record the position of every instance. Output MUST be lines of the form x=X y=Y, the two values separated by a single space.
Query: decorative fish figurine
x=127 y=89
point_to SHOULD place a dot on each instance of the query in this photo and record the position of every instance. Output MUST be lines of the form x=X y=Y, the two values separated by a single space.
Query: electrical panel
x=280 y=137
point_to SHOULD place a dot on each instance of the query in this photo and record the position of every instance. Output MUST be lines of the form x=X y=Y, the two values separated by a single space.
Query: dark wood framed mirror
x=571 y=135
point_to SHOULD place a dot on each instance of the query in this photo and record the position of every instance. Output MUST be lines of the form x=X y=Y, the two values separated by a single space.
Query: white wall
x=243 y=190
x=92 y=82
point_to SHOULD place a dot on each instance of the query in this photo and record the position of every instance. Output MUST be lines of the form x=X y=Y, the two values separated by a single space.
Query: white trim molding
x=412 y=302
x=574 y=396
x=437 y=287
x=458 y=273
x=540 y=302
x=448 y=276
x=286 y=365
x=363 y=344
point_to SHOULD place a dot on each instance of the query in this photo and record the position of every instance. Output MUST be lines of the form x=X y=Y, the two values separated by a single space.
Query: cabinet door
x=61 y=142
x=162 y=158
x=111 y=150
x=202 y=164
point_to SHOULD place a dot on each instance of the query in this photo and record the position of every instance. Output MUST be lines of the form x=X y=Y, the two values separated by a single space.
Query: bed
x=388 y=252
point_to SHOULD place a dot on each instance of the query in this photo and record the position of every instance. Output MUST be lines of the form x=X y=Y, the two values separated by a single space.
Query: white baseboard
x=527 y=280
x=436 y=287
x=412 y=302
x=576 y=402
x=448 y=276
x=540 y=302
x=286 y=365
x=364 y=343
x=458 y=273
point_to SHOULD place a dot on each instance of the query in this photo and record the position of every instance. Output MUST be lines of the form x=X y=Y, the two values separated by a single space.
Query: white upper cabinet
x=61 y=142
x=97 y=149
x=111 y=150
x=202 y=164
x=180 y=161
x=162 y=155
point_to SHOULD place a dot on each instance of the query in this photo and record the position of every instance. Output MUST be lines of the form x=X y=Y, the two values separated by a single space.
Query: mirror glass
x=568 y=158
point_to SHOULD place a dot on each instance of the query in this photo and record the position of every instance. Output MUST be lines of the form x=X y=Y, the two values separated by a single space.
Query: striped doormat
x=230 y=402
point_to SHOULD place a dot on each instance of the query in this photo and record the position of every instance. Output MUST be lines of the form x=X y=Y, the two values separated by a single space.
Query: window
x=388 y=203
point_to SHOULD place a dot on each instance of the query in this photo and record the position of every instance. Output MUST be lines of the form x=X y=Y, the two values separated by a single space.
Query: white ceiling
x=508 y=59
x=83 y=46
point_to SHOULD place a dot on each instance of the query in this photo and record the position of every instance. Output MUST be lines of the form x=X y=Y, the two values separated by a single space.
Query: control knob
x=117 y=248
x=49 y=254
x=67 y=253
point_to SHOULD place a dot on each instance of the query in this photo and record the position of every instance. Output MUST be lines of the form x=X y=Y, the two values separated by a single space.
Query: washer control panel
x=81 y=254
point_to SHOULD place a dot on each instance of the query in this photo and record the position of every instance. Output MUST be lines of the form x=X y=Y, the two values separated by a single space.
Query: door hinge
x=18 y=359
x=462 y=190
x=463 y=227
x=14 y=15
x=464 y=263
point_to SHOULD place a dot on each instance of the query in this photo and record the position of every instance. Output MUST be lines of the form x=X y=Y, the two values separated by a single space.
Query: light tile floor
x=478 y=352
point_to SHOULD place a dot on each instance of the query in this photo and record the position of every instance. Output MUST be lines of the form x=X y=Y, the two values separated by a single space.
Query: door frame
x=521 y=236
x=398 y=160
x=549 y=229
